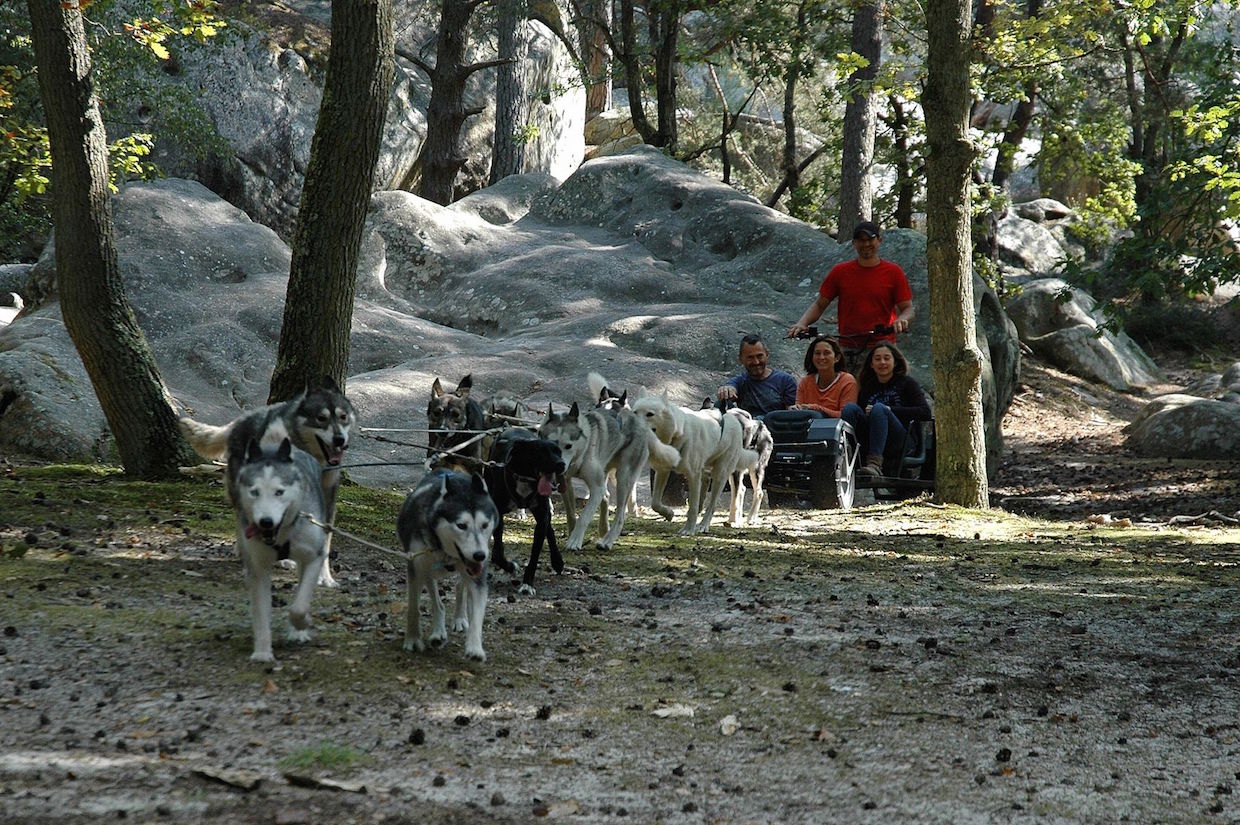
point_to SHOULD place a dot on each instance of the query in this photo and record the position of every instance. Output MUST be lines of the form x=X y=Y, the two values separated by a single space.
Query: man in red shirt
x=872 y=292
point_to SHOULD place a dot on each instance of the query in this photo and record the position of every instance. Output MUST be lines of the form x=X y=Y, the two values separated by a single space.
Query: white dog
x=709 y=447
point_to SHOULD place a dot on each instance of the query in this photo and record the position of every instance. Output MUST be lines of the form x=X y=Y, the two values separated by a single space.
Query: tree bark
x=797 y=46
x=318 y=310
x=860 y=114
x=97 y=315
x=957 y=360
x=446 y=113
x=511 y=94
x=597 y=55
x=665 y=34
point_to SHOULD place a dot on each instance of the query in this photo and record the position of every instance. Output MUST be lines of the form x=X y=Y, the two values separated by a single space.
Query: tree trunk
x=792 y=171
x=857 y=160
x=904 y=188
x=957 y=361
x=318 y=310
x=511 y=95
x=664 y=35
x=96 y=313
x=633 y=73
x=597 y=56
x=442 y=156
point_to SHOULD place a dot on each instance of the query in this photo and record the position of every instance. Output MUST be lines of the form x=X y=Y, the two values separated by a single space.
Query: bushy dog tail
x=662 y=456
x=597 y=384
x=208 y=440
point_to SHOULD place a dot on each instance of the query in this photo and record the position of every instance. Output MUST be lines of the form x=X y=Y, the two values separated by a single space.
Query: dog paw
x=286 y=564
x=476 y=653
x=602 y=545
x=414 y=645
x=328 y=581
x=262 y=656
x=438 y=640
x=299 y=636
x=665 y=512
x=460 y=625
x=526 y=589
x=687 y=530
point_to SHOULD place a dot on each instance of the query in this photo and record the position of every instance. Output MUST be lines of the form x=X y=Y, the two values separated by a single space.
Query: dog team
x=283 y=467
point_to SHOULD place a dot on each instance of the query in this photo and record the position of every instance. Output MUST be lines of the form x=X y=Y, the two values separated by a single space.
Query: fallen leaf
x=673 y=711
x=270 y=686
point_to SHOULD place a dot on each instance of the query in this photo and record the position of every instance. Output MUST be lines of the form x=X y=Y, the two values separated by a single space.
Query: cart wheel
x=832 y=479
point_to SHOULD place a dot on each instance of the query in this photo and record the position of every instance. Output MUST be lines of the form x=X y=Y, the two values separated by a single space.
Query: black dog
x=520 y=475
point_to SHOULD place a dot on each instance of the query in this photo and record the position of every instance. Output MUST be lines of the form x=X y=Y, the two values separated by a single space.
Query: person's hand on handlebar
x=727 y=393
x=797 y=330
x=901 y=325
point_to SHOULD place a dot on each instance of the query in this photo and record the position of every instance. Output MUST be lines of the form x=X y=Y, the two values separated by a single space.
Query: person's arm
x=810 y=315
x=788 y=392
x=904 y=316
x=913 y=403
x=729 y=391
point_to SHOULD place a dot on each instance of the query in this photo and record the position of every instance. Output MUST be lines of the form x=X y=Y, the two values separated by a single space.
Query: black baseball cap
x=867 y=229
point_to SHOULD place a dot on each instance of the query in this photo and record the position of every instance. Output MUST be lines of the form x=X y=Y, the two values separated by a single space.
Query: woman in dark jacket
x=888 y=401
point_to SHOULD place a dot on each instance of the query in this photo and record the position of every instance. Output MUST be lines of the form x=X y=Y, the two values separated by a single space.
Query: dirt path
x=896 y=664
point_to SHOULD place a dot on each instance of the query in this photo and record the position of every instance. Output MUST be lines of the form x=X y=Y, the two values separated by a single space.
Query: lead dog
x=280 y=508
x=319 y=421
x=521 y=475
x=595 y=443
x=445 y=526
x=708 y=447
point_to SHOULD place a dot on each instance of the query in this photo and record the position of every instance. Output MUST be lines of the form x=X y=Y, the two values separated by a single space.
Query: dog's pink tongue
x=545 y=487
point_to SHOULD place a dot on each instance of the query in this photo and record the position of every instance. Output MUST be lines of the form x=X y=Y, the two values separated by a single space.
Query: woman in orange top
x=826 y=387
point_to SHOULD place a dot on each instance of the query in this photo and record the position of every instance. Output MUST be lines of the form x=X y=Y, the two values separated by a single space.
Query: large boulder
x=1185 y=426
x=636 y=266
x=260 y=85
x=1060 y=324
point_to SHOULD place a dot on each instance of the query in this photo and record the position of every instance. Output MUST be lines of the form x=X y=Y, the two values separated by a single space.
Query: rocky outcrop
x=260 y=85
x=1060 y=324
x=1191 y=426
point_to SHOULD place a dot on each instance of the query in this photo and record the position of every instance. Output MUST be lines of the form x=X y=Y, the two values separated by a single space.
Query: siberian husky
x=319 y=421
x=708 y=447
x=445 y=526
x=280 y=513
x=593 y=444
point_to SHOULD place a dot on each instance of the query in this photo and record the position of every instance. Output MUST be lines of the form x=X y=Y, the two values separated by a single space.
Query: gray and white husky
x=593 y=444
x=445 y=526
x=280 y=513
x=319 y=421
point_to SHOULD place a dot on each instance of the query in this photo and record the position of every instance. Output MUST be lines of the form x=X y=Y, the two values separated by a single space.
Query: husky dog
x=504 y=409
x=609 y=400
x=453 y=419
x=319 y=421
x=445 y=526
x=758 y=440
x=521 y=475
x=593 y=444
x=709 y=446
x=280 y=510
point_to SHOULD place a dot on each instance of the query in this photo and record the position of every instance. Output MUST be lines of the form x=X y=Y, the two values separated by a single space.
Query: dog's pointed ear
x=253 y=450
x=707 y=404
x=480 y=484
x=665 y=395
x=573 y=412
x=436 y=389
x=550 y=410
x=285 y=452
x=603 y=395
x=624 y=398
x=467 y=384
x=328 y=383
